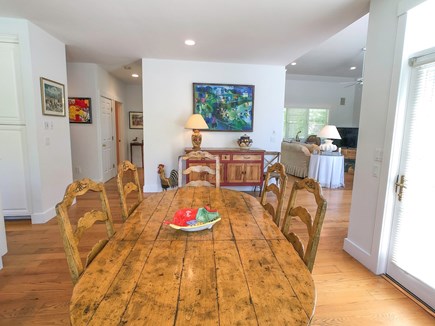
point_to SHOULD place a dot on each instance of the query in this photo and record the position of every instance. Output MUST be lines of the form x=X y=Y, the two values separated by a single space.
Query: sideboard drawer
x=247 y=157
x=225 y=157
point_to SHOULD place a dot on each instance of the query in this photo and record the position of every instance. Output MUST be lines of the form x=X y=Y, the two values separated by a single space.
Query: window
x=307 y=121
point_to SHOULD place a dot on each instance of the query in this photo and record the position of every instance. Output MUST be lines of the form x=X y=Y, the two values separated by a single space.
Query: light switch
x=375 y=170
x=378 y=154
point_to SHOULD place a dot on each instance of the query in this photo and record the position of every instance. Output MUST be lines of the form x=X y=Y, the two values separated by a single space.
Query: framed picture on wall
x=136 y=120
x=80 y=110
x=225 y=107
x=52 y=97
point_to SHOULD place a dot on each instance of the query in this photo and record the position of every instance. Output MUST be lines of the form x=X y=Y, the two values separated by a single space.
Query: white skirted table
x=328 y=170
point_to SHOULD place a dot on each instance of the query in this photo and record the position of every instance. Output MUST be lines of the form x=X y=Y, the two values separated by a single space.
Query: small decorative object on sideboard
x=244 y=141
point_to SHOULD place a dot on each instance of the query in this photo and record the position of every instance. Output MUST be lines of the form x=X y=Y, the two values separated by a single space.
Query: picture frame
x=135 y=120
x=52 y=97
x=225 y=107
x=80 y=109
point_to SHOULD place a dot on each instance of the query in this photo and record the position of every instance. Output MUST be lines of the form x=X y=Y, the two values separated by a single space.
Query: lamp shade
x=330 y=132
x=196 y=121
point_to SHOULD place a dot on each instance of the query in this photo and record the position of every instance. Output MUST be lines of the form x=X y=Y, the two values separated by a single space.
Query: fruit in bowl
x=245 y=141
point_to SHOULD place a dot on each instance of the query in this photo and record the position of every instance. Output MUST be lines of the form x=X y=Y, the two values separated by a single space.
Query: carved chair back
x=270 y=158
x=128 y=182
x=276 y=171
x=72 y=235
x=313 y=226
x=206 y=173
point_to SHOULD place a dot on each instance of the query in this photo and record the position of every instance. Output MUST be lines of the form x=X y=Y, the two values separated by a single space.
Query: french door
x=412 y=253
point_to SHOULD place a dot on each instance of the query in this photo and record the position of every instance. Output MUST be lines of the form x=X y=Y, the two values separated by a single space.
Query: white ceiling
x=335 y=56
x=118 y=33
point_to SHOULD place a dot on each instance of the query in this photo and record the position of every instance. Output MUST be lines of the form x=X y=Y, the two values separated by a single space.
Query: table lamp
x=196 y=122
x=329 y=132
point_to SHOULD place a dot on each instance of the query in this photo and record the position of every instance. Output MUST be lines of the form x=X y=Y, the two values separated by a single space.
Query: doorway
x=119 y=131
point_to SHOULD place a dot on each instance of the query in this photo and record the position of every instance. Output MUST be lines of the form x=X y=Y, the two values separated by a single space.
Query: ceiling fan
x=358 y=81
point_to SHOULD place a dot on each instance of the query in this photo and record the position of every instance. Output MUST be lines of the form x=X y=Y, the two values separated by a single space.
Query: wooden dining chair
x=276 y=170
x=270 y=158
x=128 y=182
x=71 y=236
x=313 y=227
x=203 y=169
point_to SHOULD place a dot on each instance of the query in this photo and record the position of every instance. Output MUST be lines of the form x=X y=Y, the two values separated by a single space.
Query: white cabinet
x=11 y=99
x=14 y=171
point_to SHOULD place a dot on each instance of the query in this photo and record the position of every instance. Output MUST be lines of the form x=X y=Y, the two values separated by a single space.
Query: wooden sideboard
x=348 y=153
x=238 y=167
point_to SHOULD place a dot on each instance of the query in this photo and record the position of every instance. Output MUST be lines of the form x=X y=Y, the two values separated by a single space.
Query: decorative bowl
x=195 y=227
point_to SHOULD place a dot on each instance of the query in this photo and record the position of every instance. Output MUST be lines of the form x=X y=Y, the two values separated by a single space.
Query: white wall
x=48 y=149
x=90 y=80
x=373 y=195
x=167 y=104
x=324 y=93
x=82 y=82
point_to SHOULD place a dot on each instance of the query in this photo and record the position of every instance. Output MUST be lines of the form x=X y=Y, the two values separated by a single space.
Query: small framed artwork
x=80 y=110
x=52 y=97
x=225 y=107
x=136 y=120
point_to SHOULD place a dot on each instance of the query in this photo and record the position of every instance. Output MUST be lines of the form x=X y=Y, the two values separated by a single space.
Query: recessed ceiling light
x=189 y=42
x=135 y=75
x=293 y=63
x=352 y=68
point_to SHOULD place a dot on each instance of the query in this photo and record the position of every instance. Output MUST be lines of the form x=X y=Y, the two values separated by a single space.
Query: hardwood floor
x=35 y=286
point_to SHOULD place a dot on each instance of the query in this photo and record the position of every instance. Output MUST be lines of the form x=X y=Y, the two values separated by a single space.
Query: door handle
x=400 y=185
x=104 y=145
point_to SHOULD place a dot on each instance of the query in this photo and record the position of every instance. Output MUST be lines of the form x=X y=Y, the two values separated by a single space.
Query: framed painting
x=80 y=110
x=52 y=97
x=225 y=107
x=136 y=120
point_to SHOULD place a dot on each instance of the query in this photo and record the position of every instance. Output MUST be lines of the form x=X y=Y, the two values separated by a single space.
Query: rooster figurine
x=172 y=181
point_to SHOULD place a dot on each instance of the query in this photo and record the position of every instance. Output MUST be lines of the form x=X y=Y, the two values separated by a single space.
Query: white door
x=412 y=260
x=107 y=139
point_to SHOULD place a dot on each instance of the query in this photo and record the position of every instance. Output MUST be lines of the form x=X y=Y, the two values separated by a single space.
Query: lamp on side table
x=329 y=132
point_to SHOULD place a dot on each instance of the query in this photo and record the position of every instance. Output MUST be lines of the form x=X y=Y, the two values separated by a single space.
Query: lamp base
x=196 y=140
x=328 y=146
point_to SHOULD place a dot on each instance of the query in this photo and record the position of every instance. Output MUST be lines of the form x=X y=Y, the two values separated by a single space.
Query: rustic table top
x=240 y=272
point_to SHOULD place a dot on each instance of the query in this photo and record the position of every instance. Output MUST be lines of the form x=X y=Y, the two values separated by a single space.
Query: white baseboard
x=44 y=217
x=359 y=254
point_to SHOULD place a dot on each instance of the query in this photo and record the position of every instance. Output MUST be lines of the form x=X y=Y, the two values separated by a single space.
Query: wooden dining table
x=241 y=272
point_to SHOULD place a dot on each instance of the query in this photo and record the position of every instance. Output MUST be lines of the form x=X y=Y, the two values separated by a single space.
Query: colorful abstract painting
x=225 y=107
x=79 y=110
